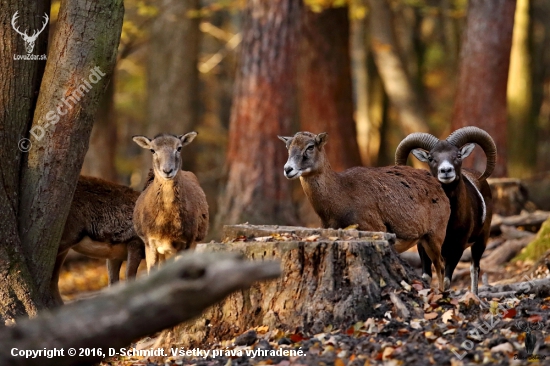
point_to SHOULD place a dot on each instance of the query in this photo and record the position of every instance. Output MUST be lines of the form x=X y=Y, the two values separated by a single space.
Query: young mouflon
x=171 y=214
x=398 y=199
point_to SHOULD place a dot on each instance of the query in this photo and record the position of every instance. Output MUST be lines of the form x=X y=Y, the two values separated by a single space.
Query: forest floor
x=455 y=328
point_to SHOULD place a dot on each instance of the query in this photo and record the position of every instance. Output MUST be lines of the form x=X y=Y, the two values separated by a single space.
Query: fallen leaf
x=405 y=285
x=339 y=362
x=386 y=354
x=430 y=316
x=263 y=329
x=312 y=238
x=505 y=347
x=417 y=286
x=295 y=338
x=534 y=318
x=415 y=325
x=509 y=313
x=264 y=238
x=352 y=227
x=448 y=315
x=430 y=335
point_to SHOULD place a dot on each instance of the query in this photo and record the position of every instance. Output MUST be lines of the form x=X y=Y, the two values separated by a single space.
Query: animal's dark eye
x=309 y=148
x=430 y=159
x=179 y=148
x=153 y=151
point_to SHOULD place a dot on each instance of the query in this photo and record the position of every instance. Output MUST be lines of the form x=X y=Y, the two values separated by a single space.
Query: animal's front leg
x=151 y=255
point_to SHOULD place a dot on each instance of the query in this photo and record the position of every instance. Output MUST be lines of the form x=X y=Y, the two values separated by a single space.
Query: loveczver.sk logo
x=29 y=39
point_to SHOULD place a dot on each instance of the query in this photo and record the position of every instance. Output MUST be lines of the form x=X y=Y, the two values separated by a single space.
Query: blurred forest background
x=367 y=72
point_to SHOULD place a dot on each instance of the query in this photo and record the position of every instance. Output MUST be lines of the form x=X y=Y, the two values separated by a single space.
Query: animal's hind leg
x=433 y=250
x=136 y=252
x=477 y=252
x=426 y=263
x=54 y=283
x=113 y=270
x=452 y=252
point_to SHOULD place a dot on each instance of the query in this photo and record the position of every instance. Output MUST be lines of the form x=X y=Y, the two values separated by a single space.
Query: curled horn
x=465 y=135
x=414 y=141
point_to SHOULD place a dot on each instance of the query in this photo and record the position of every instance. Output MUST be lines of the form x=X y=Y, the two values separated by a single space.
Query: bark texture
x=335 y=280
x=397 y=83
x=19 y=85
x=63 y=118
x=172 y=74
x=483 y=75
x=180 y=291
x=256 y=189
x=325 y=92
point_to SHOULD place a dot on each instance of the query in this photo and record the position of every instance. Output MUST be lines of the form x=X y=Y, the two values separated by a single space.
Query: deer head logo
x=29 y=40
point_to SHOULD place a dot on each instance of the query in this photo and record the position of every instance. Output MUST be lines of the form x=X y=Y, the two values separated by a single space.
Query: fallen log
x=331 y=277
x=513 y=289
x=533 y=220
x=179 y=291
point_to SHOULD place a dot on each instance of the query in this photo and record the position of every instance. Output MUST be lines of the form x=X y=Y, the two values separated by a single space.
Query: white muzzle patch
x=446 y=172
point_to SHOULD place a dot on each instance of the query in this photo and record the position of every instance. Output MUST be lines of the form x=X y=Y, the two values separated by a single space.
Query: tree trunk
x=325 y=92
x=100 y=158
x=522 y=157
x=172 y=74
x=19 y=85
x=391 y=68
x=257 y=190
x=179 y=291
x=360 y=77
x=483 y=75
x=329 y=279
x=63 y=119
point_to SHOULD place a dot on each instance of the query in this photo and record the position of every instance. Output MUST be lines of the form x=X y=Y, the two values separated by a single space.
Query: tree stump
x=329 y=276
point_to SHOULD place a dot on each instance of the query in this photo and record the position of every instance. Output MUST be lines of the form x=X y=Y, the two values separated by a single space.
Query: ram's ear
x=286 y=140
x=187 y=138
x=467 y=149
x=421 y=155
x=321 y=139
x=142 y=141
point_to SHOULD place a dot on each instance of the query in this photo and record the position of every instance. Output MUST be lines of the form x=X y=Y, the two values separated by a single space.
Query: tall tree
x=19 y=86
x=522 y=127
x=397 y=83
x=483 y=75
x=256 y=189
x=172 y=74
x=46 y=177
x=325 y=92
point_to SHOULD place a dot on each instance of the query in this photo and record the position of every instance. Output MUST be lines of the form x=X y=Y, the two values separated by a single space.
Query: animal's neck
x=165 y=190
x=320 y=188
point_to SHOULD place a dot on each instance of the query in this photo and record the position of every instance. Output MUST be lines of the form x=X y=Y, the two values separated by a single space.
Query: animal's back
x=409 y=204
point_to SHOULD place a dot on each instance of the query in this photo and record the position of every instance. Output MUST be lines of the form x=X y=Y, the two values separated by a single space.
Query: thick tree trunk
x=332 y=277
x=397 y=83
x=19 y=85
x=172 y=74
x=100 y=158
x=180 y=291
x=483 y=75
x=62 y=124
x=325 y=93
x=257 y=190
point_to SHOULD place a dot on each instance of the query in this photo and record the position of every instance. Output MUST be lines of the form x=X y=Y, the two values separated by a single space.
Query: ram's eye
x=430 y=159
x=179 y=148
x=153 y=151
x=459 y=156
x=309 y=148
